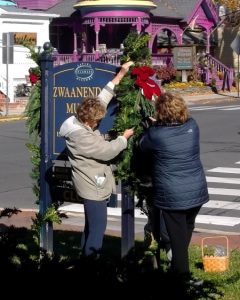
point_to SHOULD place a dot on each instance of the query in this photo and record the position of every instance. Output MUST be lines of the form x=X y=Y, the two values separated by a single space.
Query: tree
x=230 y=4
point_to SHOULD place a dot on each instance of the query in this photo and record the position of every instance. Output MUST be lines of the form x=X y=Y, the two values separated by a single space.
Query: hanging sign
x=183 y=58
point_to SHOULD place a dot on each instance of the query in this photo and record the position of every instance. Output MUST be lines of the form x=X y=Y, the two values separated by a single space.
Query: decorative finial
x=47 y=46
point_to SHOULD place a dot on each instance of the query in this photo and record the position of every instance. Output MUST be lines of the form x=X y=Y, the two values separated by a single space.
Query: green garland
x=133 y=106
x=32 y=112
x=133 y=110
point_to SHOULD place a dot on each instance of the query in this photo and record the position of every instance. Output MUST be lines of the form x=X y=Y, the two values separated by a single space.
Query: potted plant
x=220 y=75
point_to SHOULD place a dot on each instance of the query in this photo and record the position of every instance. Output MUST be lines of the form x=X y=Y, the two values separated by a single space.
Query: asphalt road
x=15 y=181
x=220 y=153
x=219 y=133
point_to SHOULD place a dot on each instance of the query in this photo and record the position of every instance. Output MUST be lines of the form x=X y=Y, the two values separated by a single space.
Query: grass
x=110 y=277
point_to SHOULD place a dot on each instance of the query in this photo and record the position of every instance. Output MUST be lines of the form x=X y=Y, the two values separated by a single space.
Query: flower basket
x=218 y=262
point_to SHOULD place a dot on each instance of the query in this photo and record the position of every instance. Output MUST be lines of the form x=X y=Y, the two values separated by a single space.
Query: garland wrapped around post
x=32 y=113
x=136 y=94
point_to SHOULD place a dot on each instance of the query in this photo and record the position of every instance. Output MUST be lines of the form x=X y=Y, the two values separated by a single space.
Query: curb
x=195 y=100
x=8 y=119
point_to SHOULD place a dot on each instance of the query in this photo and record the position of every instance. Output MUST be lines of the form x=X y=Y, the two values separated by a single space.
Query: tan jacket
x=90 y=155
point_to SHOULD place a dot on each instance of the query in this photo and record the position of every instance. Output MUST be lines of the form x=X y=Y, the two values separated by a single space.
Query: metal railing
x=218 y=72
x=213 y=70
x=108 y=57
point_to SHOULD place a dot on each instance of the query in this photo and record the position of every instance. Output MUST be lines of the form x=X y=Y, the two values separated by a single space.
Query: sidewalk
x=211 y=98
x=24 y=219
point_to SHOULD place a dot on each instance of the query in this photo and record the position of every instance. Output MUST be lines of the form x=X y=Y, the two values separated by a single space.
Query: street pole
x=7 y=76
x=7 y=58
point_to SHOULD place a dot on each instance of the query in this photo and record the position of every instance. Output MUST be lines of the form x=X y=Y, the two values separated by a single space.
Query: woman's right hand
x=128 y=133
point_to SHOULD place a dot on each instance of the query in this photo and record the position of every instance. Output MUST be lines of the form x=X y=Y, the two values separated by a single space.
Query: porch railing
x=216 y=72
x=108 y=57
x=61 y=59
x=213 y=70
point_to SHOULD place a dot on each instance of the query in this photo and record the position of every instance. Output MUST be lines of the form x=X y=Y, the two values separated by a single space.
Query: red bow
x=149 y=86
x=33 y=78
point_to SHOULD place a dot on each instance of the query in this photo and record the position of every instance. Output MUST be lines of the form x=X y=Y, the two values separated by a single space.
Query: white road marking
x=231 y=108
x=217 y=220
x=112 y=211
x=225 y=170
x=226 y=192
x=225 y=107
x=222 y=204
x=223 y=180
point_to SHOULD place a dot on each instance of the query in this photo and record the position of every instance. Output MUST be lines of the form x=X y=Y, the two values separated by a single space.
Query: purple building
x=92 y=30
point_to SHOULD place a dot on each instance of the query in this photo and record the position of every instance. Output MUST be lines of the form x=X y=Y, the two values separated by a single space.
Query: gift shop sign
x=71 y=84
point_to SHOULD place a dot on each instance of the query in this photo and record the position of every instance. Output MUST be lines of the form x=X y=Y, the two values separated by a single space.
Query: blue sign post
x=46 y=64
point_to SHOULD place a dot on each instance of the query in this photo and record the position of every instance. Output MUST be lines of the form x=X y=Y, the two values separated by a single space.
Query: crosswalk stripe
x=212 y=207
x=202 y=108
x=217 y=220
x=231 y=108
x=201 y=219
x=222 y=204
x=116 y=211
x=225 y=170
x=226 y=192
x=223 y=180
x=225 y=107
x=112 y=211
x=236 y=108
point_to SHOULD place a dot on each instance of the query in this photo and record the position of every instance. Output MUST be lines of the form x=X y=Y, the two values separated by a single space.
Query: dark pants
x=159 y=229
x=180 y=225
x=95 y=226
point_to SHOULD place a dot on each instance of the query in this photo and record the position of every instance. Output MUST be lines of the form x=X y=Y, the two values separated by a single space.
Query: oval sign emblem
x=84 y=72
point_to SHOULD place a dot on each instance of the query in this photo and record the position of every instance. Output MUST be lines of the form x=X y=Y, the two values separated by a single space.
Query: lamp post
x=7 y=58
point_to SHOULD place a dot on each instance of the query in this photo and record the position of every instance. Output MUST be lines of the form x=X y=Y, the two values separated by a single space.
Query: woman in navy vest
x=179 y=182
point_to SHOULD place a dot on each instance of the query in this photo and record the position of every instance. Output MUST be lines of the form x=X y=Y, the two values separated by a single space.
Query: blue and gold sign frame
x=71 y=84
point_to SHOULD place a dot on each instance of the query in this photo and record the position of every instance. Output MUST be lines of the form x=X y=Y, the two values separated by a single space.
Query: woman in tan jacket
x=90 y=156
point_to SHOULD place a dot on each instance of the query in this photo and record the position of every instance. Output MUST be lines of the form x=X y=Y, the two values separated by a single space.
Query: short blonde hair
x=90 y=110
x=171 y=108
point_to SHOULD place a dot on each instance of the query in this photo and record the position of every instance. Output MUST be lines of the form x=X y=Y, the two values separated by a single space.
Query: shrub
x=166 y=73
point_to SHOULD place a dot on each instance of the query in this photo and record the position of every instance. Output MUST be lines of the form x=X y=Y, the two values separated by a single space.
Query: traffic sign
x=7 y=47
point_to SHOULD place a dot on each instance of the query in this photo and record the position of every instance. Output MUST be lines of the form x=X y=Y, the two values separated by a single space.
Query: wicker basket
x=215 y=263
